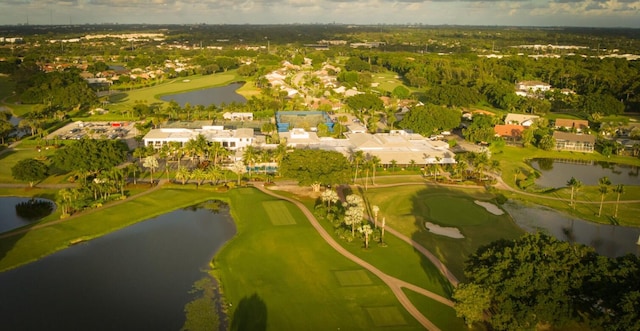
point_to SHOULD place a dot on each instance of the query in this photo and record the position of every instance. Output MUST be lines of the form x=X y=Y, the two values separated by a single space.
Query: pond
x=138 y=278
x=215 y=95
x=13 y=218
x=608 y=240
x=556 y=173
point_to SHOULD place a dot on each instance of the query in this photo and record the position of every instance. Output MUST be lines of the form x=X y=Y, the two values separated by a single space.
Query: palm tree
x=517 y=172
x=375 y=161
x=575 y=186
x=604 y=189
x=249 y=157
x=356 y=158
x=133 y=168
x=213 y=173
x=199 y=176
x=619 y=189
x=216 y=150
x=152 y=163
x=375 y=209
x=393 y=164
x=183 y=174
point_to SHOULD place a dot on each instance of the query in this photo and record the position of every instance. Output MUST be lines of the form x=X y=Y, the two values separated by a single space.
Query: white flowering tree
x=354 y=211
x=366 y=230
x=330 y=196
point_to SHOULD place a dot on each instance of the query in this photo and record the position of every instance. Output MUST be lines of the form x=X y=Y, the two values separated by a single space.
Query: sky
x=584 y=13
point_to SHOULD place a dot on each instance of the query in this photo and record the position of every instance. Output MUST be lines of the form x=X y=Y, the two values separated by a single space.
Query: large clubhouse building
x=396 y=147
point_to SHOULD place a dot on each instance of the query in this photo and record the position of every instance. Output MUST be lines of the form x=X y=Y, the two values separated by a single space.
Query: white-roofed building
x=230 y=139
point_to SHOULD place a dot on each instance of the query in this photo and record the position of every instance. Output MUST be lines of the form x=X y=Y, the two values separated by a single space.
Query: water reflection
x=215 y=95
x=17 y=212
x=608 y=240
x=138 y=278
x=556 y=172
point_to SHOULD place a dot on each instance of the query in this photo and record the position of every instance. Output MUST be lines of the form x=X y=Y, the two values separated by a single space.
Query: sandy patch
x=447 y=232
x=490 y=207
x=295 y=189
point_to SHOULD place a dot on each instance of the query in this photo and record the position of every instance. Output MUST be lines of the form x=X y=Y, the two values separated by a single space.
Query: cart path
x=393 y=283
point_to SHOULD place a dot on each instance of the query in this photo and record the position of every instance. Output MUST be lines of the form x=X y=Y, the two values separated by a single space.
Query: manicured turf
x=294 y=275
x=353 y=277
x=278 y=213
x=406 y=208
x=442 y=316
x=386 y=316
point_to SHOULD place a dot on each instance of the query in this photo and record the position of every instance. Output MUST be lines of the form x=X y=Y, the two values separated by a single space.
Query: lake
x=10 y=219
x=556 y=173
x=137 y=278
x=214 y=95
x=608 y=240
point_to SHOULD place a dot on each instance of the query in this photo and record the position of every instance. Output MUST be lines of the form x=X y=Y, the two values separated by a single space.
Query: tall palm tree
x=183 y=174
x=375 y=161
x=356 y=158
x=152 y=163
x=619 y=189
x=575 y=185
x=604 y=183
x=249 y=157
x=215 y=150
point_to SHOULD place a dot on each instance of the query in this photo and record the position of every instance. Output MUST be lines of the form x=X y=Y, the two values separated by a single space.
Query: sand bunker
x=490 y=207
x=448 y=232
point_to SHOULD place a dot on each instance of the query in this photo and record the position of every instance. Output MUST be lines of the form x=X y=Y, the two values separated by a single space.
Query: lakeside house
x=566 y=141
x=531 y=88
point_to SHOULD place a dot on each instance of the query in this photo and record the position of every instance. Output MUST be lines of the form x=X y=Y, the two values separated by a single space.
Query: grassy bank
x=32 y=245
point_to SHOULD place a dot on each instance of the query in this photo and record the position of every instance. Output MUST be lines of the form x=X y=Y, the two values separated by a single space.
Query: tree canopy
x=89 y=155
x=429 y=119
x=29 y=170
x=539 y=280
x=311 y=166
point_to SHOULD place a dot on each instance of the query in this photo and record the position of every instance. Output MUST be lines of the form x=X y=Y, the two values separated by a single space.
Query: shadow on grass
x=7 y=243
x=250 y=314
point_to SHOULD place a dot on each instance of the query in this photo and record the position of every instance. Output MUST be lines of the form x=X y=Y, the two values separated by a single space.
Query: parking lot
x=98 y=130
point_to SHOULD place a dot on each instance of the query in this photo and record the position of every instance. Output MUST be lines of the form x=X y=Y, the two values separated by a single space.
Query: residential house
x=572 y=125
x=510 y=132
x=531 y=88
x=566 y=141
x=238 y=116
x=521 y=119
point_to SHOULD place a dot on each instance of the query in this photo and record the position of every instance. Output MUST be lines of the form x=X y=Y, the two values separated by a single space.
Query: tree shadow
x=250 y=314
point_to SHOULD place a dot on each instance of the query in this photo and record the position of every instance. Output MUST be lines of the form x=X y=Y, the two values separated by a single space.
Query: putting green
x=278 y=213
x=447 y=210
x=353 y=277
x=385 y=316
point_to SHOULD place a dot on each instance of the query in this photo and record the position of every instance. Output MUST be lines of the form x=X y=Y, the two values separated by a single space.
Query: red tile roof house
x=510 y=132
x=571 y=125
x=566 y=141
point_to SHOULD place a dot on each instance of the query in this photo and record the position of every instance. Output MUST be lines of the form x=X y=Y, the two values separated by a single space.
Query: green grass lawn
x=290 y=274
x=407 y=208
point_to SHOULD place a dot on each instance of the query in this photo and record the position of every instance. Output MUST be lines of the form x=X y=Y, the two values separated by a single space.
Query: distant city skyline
x=583 y=13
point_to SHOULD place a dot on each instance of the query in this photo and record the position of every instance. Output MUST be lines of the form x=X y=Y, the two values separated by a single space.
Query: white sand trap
x=490 y=207
x=448 y=232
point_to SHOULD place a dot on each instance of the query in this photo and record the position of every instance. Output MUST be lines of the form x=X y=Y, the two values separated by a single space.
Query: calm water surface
x=556 y=173
x=9 y=219
x=608 y=240
x=137 y=278
x=215 y=95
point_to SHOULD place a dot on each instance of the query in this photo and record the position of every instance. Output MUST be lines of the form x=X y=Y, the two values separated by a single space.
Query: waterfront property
x=566 y=141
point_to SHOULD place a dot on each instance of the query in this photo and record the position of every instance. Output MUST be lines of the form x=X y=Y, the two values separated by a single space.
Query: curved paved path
x=394 y=284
